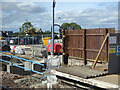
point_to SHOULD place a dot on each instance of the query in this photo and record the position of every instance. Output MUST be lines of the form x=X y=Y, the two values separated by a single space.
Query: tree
x=70 y=26
x=26 y=26
x=20 y=34
x=20 y=29
x=65 y=26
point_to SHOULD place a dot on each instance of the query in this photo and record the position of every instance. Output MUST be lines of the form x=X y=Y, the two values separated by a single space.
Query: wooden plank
x=100 y=50
x=86 y=59
x=94 y=50
x=94 y=40
x=94 y=34
x=75 y=34
x=75 y=48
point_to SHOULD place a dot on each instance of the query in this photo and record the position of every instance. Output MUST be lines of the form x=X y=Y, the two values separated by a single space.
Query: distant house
x=117 y=31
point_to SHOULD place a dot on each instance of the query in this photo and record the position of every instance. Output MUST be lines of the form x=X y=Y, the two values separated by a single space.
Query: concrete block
x=28 y=52
x=74 y=62
x=8 y=68
x=28 y=65
x=53 y=62
x=16 y=70
x=37 y=67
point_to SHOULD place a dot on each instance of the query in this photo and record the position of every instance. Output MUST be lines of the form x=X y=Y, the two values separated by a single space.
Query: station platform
x=87 y=75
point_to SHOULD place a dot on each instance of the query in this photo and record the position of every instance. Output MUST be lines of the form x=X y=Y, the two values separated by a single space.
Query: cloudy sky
x=87 y=14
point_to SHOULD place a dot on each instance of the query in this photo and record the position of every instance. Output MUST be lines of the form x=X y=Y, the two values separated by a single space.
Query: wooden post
x=106 y=47
x=100 y=50
x=84 y=47
x=63 y=46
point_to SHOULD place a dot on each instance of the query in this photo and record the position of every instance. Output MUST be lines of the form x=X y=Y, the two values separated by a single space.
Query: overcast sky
x=87 y=14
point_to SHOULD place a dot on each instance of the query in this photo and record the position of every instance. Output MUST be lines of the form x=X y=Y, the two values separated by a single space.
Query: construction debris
x=19 y=50
x=7 y=80
x=5 y=48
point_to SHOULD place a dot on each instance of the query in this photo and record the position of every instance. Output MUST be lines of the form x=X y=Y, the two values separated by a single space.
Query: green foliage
x=65 y=26
x=26 y=26
x=20 y=29
x=16 y=34
x=21 y=34
x=70 y=26
x=47 y=32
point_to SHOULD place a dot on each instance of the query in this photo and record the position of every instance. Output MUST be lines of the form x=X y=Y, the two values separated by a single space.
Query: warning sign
x=112 y=50
x=118 y=50
x=112 y=40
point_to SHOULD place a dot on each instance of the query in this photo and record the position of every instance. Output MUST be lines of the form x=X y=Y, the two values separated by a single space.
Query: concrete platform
x=114 y=79
x=82 y=71
x=86 y=75
x=97 y=82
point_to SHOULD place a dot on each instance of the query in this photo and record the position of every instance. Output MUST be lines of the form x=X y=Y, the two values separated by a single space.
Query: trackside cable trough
x=23 y=59
x=21 y=66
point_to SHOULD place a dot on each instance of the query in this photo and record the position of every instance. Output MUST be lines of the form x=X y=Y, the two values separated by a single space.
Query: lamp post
x=52 y=45
x=59 y=20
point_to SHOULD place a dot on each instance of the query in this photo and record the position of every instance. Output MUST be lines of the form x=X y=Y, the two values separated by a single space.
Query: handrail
x=21 y=66
x=23 y=59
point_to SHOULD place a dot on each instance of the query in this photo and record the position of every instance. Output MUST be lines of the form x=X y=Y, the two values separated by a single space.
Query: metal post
x=18 y=39
x=52 y=45
x=19 y=36
x=33 y=46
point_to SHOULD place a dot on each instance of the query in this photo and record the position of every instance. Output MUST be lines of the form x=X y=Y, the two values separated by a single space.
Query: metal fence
x=26 y=39
x=86 y=43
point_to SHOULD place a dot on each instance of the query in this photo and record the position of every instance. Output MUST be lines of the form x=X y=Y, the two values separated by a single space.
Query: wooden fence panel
x=94 y=39
x=86 y=43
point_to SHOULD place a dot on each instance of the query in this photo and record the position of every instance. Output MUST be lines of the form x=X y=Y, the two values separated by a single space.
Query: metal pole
x=52 y=45
x=33 y=45
x=18 y=39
